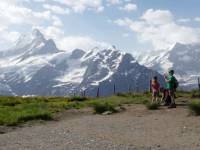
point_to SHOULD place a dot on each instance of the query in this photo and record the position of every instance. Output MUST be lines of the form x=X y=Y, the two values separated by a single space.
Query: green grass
x=185 y=94
x=17 y=110
x=195 y=94
x=194 y=107
x=24 y=112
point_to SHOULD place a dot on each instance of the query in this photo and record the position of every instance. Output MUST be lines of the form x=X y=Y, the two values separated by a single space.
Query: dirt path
x=134 y=129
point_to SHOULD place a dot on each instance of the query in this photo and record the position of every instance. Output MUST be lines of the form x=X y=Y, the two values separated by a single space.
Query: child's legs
x=172 y=95
x=153 y=99
x=156 y=95
x=162 y=98
x=153 y=96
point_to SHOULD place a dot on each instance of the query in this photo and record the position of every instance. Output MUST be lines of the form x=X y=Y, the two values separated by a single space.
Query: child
x=165 y=96
x=172 y=84
x=155 y=86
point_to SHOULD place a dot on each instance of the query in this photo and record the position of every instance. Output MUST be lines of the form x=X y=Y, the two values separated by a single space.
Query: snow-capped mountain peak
x=31 y=44
x=34 y=37
x=37 y=34
x=77 y=53
x=113 y=48
x=183 y=58
x=35 y=66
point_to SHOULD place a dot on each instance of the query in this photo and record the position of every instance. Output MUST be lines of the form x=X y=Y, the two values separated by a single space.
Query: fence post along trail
x=199 y=85
x=133 y=87
x=98 y=92
x=83 y=93
x=150 y=89
x=114 y=89
x=129 y=88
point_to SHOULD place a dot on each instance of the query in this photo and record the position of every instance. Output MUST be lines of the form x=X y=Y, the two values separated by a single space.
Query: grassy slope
x=15 y=110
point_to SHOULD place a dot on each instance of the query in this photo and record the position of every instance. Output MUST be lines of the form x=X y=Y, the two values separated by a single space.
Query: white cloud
x=129 y=7
x=16 y=13
x=84 y=42
x=79 y=6
x=114 y=2
x=57 y=21
x=184 y=20
x=57 y=9
x=41 y=1
x=159 y=28
x=125 y=35
x=100 y=9
x=7 y=37
x=197 y=19
x=157 y=16
x=70 y=43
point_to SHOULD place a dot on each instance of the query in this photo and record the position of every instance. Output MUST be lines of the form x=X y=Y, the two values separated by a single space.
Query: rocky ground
x=134 y=129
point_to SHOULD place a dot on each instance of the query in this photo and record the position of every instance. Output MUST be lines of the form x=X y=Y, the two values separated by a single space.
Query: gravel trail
x=134 y=129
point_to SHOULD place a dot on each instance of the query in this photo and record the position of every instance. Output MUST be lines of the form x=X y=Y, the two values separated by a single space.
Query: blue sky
x=130 y=25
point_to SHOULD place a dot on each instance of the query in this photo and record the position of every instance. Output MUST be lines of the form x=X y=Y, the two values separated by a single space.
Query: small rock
x=107 y=113
x=120 y=108
x=158 y=145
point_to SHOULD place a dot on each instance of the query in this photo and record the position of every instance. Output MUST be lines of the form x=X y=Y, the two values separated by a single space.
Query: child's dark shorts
x=155 y=94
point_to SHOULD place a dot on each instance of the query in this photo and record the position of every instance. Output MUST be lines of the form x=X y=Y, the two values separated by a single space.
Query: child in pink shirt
x=155 y=86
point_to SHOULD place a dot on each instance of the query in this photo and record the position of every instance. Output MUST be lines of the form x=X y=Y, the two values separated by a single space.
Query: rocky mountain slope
x=184 y=59
x=35 y=66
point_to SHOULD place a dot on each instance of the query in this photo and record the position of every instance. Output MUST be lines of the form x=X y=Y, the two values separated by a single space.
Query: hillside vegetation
x=17 y=110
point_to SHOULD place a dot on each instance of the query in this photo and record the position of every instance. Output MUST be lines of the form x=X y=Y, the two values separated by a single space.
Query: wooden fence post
x=150 y=90
x=137 y=89
x=129 y=88
x=84 y=93
x=98 y=91
x=114 y=89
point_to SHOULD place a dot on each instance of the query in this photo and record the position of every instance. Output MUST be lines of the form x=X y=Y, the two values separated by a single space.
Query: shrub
x=152 y=106
x=100 y=108
x=78 y=98
x=36 y=116
x=123 y=94
x=10 y=101
x=75 y=105
x=194 y=107
x=195 y=94
x=145 y=101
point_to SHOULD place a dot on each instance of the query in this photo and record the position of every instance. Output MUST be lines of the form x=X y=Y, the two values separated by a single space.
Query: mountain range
x=183 y=58
x=35 y=66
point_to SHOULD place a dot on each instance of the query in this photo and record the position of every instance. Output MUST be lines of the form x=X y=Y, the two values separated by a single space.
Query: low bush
x=152 y=106
x=195 y=94
x=9 y=101
x=145 y=101
x=100 y=108
x=123 y=94
x=35 y=116
x=78 y=98
x=194 y=107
